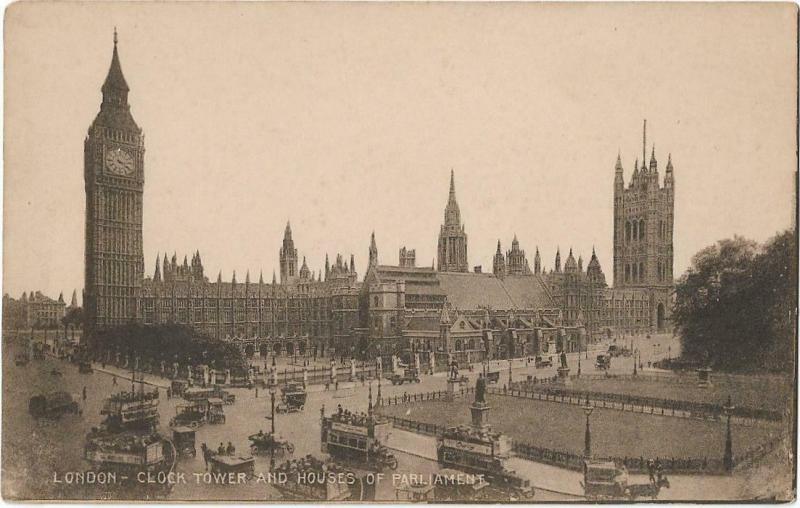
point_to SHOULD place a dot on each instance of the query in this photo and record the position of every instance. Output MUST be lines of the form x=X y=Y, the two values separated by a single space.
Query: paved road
x=34 y=451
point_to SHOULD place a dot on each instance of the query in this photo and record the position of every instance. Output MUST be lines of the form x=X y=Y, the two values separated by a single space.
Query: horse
x=650 y=490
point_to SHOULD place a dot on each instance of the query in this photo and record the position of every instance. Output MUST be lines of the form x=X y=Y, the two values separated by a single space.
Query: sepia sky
x=347 y=118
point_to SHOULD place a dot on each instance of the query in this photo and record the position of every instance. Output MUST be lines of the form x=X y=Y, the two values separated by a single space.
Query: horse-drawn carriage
x=265 y=443
x=605 y=480
x=293 y=398
x=603 y=362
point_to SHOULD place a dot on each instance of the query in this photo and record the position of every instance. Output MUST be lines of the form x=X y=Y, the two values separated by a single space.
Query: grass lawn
x=768 y=392
x=614 y=433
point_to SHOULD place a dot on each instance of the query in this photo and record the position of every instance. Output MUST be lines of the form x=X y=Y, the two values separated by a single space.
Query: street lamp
x=727 y=459
x=587 y=445
x=272 y=391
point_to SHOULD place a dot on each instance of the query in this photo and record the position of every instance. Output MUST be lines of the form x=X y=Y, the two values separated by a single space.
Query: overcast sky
x=348 y=118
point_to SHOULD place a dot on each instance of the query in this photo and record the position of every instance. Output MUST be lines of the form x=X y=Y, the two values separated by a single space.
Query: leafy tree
x=172 y=343
x=735 y=305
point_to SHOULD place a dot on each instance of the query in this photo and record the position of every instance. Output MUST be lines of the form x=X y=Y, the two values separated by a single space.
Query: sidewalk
x=124 y=374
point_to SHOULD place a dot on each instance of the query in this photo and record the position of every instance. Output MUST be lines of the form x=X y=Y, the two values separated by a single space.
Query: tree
x=172 y=343
x=72 y=317
x=735 y=305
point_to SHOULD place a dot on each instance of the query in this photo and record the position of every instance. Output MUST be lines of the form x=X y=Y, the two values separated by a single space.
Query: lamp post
x=587 y=443
x=579 y=363
x=272 y=420
x=727 y=459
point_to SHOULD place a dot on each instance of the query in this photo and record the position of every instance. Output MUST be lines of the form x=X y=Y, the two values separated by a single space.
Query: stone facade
x=34 y=310
x=514 y=310
x=114 y=180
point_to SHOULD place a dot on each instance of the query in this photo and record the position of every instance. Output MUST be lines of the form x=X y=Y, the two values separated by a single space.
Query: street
x=39 y=445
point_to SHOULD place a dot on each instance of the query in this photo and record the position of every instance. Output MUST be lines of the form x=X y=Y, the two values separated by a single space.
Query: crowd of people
x=358 y=419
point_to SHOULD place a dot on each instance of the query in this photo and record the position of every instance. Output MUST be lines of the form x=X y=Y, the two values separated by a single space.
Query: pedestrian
x=205 y=454
x=84 y=393
x=337 y=386
x=256 y=392
x=114 y=380
x=327 y=385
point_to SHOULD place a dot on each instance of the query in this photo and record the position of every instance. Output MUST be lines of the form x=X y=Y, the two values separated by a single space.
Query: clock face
x=119 y=162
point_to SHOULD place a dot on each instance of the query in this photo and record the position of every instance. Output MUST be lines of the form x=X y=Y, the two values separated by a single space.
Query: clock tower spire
x=114 y=182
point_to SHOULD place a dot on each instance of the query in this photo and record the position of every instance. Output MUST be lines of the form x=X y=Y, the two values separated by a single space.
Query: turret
x=499 y=263
x=669 y=177
x=304 y=273
x=653 y=163
x=157 y=274
x=352 y=264
x=537 y=262
x=580 y=263
x=570 y=266
x=558 y=260
x=619 y=179
x=373 y=251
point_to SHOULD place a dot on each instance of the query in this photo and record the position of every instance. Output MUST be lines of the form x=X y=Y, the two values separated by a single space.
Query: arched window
x=641 y=271
x=642 y=229
x=627 y=273
x=635 y=229
x=627 y=231
x=635 y=273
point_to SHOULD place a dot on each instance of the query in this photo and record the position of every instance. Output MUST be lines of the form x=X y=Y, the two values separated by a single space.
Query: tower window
x=641 y=271
x=642 y=229
x=627 y=231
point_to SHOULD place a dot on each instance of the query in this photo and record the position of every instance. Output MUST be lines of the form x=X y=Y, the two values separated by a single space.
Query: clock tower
x=113 y=170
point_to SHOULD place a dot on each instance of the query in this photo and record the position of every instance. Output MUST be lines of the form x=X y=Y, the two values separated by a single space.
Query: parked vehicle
x=192 y=414
x=184 y=440
x=178 y=386
x=265 y=443
x=227 y=464
x=410 y=375
x=603 y=362
x=293 y=398
x=52 y=405
x=542 y=362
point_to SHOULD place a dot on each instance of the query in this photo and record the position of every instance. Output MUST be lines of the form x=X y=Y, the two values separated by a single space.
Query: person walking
x=84 y=393
x=114 y=380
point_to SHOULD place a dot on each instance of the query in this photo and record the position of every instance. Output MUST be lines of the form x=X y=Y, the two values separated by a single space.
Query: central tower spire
x=452 y=250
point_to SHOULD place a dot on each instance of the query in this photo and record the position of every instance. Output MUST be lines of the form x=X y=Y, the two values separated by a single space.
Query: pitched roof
x=475 y=290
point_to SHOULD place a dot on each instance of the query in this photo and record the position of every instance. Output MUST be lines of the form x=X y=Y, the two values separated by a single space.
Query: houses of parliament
x=512 y=310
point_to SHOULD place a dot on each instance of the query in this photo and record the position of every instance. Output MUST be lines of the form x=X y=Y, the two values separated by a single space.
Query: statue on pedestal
x=480 y=389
